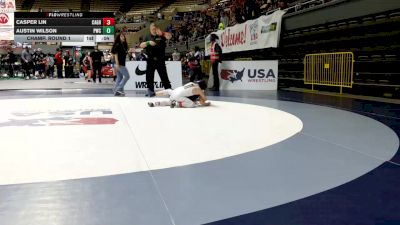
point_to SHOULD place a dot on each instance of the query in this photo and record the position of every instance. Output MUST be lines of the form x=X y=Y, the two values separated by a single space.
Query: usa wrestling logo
x=232 y=75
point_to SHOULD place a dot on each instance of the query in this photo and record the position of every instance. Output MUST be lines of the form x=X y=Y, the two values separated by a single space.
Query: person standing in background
x=194 y=65
x=107 y=57
x=87 y=63
x=59 y=63
x=155 y=48
x=97 y=62
x=224 y=20
x=120 y=50
x=142 y=56
x=50 y=66
x=216 y=59
x=176 y=56
x=11 y=59
x=68 y=67
x=26 y=60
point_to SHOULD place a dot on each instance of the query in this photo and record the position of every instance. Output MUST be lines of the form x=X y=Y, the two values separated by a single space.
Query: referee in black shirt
x=97 y=61
x=155 y=48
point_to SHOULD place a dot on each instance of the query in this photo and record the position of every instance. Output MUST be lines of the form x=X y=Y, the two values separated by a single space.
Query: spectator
x=176 y=56
x=81 y=57
x=197 y=53
x=97 y=62
x=132 y=56
x=59 y=63
x=225 y=20
x=39 y=62
x=26 y=60
x=221 y=26
x=68 y=65
x=194 y=68
x=142 y=56
x=120 y=50
x=11 y=60
x=107 y=57
x=88 y=65
x=50 y=66
x=282 y=5
x=238 y=15
x=122 y=19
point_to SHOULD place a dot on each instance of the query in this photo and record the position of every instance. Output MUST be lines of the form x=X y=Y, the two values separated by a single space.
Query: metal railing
x=329 y=69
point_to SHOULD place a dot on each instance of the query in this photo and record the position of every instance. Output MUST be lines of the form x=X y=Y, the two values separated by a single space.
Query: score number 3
x=108 y=22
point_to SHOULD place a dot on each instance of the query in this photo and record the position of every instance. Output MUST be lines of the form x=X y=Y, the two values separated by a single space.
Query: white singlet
x=184 y=91
x=181 y=94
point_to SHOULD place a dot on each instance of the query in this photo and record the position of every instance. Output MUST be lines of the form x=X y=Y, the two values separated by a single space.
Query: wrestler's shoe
x=173 y=104
x=150 y=104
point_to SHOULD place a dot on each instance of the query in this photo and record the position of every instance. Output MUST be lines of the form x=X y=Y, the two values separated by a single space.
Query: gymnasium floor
x=81 y=156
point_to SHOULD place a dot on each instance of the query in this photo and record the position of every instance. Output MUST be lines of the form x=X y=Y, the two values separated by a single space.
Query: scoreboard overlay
x=64 y=26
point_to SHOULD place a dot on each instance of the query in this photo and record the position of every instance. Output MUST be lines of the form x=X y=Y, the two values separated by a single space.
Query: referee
x=155 y=48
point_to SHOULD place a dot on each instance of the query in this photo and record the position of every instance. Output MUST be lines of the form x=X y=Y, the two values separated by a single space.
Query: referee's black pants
x=97 y=72
x=215 y=75
x=11 y=69
x=152 y=66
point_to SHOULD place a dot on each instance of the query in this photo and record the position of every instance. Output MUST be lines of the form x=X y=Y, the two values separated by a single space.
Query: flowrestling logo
x=61 y=118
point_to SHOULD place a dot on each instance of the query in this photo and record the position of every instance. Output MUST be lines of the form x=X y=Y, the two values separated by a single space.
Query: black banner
x=19 y=15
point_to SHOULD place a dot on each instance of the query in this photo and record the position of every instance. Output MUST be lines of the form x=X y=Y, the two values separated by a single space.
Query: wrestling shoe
x=173 y=104
x=150 y=104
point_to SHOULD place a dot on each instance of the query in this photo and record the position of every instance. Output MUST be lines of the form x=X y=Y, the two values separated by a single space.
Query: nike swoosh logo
x=139 y=72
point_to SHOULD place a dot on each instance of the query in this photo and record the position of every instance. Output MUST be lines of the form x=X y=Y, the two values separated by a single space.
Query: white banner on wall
x=7 y=6
x=137 y=71
x=248 y=75
x=6 y=26
x=260 y=33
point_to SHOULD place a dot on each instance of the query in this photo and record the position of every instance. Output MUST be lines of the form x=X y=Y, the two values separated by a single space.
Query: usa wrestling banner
x=260 y=33
x=248 y=75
